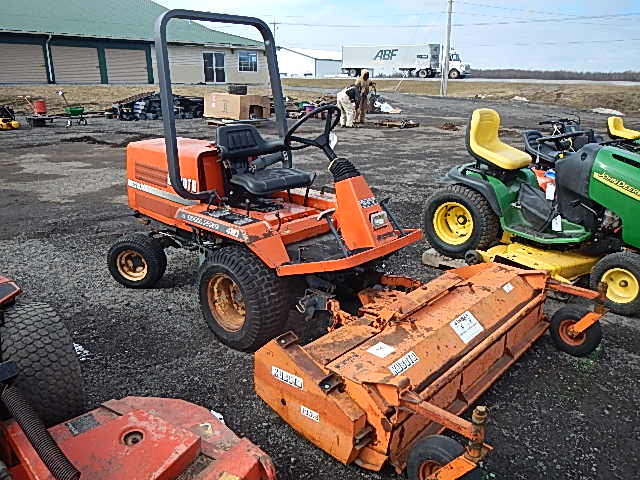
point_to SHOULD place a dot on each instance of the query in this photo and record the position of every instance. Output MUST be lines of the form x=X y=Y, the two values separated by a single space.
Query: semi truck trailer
x=423 y=60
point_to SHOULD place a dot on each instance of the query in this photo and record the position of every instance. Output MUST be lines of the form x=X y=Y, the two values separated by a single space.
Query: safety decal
x=307 y=412
x=404 y=363
x=368 y=202
x=507 y=287
x=288 y=378
x=466 y=326
x=381 y=350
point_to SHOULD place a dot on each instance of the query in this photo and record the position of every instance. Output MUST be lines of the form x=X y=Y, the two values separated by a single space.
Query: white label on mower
x=556 y=223
x=307 y=412
x=404 y=363
x=288 y=378
x=507 y=287
x=466 y=326
x=381 y=350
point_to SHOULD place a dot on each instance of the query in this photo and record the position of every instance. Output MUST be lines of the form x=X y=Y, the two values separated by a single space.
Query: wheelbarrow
x=76 y=114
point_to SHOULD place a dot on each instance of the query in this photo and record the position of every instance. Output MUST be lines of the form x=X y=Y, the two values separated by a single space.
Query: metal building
x=304 y=62
x=111 y=42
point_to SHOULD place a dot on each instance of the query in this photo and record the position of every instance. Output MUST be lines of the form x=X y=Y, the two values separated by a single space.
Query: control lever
x=328 y=216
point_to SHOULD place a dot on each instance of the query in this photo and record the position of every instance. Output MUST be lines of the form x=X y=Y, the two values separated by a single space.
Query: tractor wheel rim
x=226 y=302
x=453 y=223
x=428 y=468
x=563 y=331
x=132 y=265
x=622 y=285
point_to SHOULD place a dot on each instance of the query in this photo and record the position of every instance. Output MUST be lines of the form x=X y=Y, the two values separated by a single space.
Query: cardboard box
x=236 y=107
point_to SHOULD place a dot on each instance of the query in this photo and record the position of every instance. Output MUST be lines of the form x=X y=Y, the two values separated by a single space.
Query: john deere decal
x=617 y=184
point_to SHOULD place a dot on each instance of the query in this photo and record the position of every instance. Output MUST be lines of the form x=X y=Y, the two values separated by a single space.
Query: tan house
x=65 y=43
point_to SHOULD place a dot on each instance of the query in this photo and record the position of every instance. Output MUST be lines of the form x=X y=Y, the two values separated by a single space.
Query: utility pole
x=447 y=48
x=275 y=25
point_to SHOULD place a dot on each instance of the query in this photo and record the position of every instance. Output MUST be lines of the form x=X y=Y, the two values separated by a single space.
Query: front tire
x=433 y=452
x=457 y=219
x=243 y=301
x=621 y=272
x=454 y=74
x=137 y=260
x=578 y=346
x=423 y=73
x=49 y=376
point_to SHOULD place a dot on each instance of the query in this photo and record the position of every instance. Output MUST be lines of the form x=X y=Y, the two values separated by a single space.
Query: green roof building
x=111 y=41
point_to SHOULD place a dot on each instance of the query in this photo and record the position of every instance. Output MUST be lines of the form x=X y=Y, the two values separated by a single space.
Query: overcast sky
x=589 y=35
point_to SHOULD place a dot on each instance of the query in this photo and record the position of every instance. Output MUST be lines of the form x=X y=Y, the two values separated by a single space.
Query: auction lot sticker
x=466 y=326
x=403 y=363
x=307 y=412
x=288 y=378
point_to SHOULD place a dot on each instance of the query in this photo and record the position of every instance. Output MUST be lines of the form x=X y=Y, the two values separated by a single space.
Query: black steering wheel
x=322 y=141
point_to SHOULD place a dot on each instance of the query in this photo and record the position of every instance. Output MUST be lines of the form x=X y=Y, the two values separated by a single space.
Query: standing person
x=348 y=100
x=365 y=84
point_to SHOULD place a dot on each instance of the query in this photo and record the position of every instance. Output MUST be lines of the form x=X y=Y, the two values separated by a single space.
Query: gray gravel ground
x=64 y=203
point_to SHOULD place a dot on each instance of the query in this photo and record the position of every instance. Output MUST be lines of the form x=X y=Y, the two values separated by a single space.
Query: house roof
x=317 y=54
x=114 y=19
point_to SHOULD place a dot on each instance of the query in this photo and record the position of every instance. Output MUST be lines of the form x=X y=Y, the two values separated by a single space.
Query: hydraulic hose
x=39 y=437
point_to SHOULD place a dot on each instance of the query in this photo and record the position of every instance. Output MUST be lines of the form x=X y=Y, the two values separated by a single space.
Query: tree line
x=628 y=76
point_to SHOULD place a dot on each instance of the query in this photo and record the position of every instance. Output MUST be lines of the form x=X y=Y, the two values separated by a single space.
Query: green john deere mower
x=585 y=224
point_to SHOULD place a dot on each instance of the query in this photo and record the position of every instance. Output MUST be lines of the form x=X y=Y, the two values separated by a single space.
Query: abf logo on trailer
x=386 y=54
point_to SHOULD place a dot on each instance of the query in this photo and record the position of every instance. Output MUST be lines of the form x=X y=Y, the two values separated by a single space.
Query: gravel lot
x=64 y=203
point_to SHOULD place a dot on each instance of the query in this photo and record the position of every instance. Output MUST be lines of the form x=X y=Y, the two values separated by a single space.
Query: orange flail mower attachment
x=140 y=438
x=414 y=357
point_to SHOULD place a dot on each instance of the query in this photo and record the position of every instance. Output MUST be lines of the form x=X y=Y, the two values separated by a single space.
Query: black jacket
x=354 y=92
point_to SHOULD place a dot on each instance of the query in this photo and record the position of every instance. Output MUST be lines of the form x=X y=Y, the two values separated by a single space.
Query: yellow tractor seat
x=485 y=145
x=616 y=129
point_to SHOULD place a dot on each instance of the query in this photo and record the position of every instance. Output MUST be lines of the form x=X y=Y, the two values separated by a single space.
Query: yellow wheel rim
x=131 y=265
x=453 y=223
x=622 y=285
x=226 y=302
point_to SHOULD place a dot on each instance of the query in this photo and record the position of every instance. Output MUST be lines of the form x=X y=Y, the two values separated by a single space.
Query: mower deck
x=416 y=356
x=139 y=438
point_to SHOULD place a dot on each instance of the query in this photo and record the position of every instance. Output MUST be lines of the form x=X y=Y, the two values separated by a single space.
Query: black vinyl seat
x=238 y=142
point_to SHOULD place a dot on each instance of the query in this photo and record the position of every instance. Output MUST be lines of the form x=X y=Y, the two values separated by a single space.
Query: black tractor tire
x=630 y=263
x=137 y=260
x=580 y=346
x=454 y=74
x=436 y=449
x=254 y=306
x=422 y=73
x=486 y=225
x=49 y=376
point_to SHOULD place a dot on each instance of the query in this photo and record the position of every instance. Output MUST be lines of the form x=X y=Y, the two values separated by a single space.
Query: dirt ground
x=64 y=203
x=625 y=99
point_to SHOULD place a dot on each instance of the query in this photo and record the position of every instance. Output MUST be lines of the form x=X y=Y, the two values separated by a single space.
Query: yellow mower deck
x=565 y=266
x=416 y=356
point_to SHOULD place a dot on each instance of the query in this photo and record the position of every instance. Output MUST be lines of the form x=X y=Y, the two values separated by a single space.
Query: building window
x=247 y=61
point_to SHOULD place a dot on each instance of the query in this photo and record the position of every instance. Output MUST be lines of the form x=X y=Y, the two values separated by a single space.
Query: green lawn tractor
x=494 y=210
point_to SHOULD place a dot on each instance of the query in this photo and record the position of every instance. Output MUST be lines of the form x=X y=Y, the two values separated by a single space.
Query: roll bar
x=166 y=93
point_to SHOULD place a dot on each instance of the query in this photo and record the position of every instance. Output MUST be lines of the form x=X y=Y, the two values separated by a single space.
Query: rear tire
x=137 y=260
x=49 y=376
x=621 y=272
x=432 y=452
x=475 y=226
x=243 y=301
x=581 y=345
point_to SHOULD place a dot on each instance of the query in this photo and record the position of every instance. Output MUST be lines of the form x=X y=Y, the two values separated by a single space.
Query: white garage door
x=22 y=63
x=75 y=64
x=126 y=66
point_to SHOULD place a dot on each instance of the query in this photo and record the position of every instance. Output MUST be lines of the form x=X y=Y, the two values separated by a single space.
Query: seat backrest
x=240 y=141
x=485 y=145
x=616 y=129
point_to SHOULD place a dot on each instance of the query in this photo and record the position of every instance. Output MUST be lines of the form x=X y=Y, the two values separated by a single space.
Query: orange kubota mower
x=395 y=370
x=46 y=435
x=266 y=239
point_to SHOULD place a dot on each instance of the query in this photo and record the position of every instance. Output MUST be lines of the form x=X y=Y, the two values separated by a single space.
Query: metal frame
x=166 y=93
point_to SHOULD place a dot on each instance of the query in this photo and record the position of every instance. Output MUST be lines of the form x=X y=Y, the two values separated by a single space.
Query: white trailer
x=423 y=60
